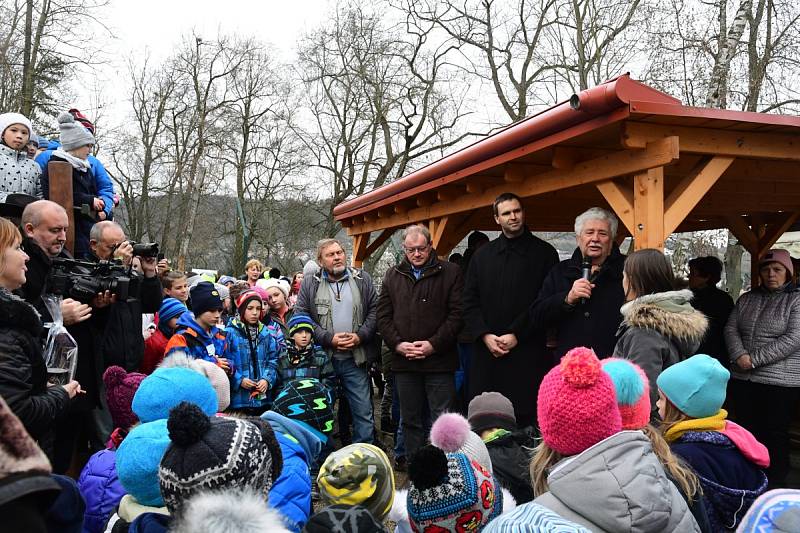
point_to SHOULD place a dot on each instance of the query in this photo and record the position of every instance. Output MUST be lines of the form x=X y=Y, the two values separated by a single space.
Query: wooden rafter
x=620 y=198
x=648 y=209
x=692 y=189
x=714 y=141
x=360 y=249
x=657 y=154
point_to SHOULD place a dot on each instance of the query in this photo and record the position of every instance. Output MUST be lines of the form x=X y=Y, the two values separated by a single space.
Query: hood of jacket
x=305 y=438
x=187 y=321
x=16 y=313
x=671 y=314
x=129 y=509
x=618 y=484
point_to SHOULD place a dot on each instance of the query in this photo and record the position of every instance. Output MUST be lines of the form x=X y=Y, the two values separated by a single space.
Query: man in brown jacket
x=419 y=317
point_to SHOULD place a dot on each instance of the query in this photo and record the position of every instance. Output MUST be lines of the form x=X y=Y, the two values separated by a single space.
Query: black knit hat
x=216 y=453
x=307 y=401
x=343 y=519
x=205 y=297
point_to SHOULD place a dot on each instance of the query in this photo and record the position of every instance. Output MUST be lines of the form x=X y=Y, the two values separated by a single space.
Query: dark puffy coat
x=659 y=330
x=23 y=375
x=717 y=305
x=101 y=490
x=503 y=279
x=592 y=323
x=511 y=463
x=428 y=308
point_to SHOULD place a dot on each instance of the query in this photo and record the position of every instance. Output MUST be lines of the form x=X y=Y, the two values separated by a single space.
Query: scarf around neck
x=76 y=162
x=710 y=423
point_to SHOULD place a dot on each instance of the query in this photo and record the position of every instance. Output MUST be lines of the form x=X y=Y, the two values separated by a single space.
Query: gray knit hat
x=73 y=134
x=491 y=410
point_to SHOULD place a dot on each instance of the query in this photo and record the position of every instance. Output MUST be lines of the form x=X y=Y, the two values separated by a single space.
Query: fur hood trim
x=670 y=313
x=17 y=313
x=229 y=512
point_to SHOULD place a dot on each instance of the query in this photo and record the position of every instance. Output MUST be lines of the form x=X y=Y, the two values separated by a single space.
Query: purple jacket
x=101 y=490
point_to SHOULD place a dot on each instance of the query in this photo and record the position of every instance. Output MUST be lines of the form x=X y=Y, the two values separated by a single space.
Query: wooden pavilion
x=659 y=165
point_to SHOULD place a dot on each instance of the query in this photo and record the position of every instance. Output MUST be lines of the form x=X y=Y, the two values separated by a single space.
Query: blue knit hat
x=299 y=323
x=696 y=386
x=205 y=297
x=167 y=387
x=138 y=457
x=170 y=308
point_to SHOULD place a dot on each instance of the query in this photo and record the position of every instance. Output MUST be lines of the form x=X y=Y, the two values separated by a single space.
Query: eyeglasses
x=416 y=249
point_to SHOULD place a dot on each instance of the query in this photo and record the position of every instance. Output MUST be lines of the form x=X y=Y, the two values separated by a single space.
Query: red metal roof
x=591 y=103
x=613 y=101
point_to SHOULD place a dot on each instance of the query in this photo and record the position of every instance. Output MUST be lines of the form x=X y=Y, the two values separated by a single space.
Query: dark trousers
x=767 y=411
x=415 y=390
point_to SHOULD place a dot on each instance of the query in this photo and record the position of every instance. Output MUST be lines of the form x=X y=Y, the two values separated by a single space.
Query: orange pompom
x=580 y=367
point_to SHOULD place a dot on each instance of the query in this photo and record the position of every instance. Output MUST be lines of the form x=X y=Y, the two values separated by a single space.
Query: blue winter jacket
x=102 y=181
x=190 y=337
x=253 y=360
x=101 y=490
x=291 y=492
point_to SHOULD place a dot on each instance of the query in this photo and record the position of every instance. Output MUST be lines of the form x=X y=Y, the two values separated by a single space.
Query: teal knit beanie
x=696 y=386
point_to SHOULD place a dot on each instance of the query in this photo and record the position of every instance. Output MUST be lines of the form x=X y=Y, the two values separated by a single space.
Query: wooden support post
x=60 y=173
x=360 y=249
x=648 y=209
x=692 y=189
x=620 y=198
x=377 y=242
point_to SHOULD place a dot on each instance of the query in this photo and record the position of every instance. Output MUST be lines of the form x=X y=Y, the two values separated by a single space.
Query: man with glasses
x=419 y=317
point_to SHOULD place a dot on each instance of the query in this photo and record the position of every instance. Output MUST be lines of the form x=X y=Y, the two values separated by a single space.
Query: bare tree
x=379 y=99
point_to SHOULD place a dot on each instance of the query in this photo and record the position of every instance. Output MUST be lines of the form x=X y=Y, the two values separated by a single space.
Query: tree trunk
x=27 y=63
x=718 y=85
x=194 y=204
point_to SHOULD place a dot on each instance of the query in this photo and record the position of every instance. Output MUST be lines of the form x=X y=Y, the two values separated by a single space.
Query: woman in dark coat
x=23 y=374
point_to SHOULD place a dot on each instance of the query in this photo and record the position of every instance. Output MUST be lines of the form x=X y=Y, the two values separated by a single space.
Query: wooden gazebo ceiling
x=707 y=169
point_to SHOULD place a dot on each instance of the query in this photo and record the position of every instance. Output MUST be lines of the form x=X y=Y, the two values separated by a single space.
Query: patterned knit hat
x=358 y=474
x=299 y=323
x=343 y=519
x=120 y=390
x=137 y=460
x=633 y=391
x=216 y=453
x=491 y=410
x=450 y=492
x=776 y=511
x=167 y=387
x=245 y=297
x=451 y=433
x=577 y=404
x=308 y=402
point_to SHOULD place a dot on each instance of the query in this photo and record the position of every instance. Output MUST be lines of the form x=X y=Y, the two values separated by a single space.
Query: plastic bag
x=60 y=349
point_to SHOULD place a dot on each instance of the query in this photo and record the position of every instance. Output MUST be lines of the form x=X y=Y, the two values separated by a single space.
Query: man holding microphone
x=581 y=297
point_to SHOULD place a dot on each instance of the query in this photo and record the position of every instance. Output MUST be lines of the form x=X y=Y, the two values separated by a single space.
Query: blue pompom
x=627 y=381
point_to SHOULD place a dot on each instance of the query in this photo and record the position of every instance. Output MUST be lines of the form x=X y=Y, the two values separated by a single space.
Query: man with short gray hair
x=341 y=301
x=419 y=317
x=585 y=311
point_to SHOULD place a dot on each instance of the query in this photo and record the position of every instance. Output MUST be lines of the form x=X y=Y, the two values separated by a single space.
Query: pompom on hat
x=217 y=453
x=121 y=388
x=450 y=492
x=577 y=404
x=451 y=433
x=633 y=391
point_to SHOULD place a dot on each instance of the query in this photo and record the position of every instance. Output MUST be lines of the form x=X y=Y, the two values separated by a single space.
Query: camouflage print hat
x=359 y=474
x=308 y=402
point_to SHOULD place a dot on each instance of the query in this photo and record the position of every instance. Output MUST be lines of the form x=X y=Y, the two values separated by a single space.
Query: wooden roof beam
x=692 y=189
x=715 y=142
x=620 y=198
x=661 y=152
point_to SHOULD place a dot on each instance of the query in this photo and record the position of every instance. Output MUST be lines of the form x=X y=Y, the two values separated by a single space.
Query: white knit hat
x=7 y=119
x=274 y=282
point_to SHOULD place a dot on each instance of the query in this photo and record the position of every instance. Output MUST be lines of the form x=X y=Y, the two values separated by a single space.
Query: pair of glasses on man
x=416 y=249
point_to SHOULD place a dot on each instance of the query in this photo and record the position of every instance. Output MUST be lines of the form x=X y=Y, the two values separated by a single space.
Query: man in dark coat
x=585 y=312
x=716 y=304
x=419 y=317
x=503 y=279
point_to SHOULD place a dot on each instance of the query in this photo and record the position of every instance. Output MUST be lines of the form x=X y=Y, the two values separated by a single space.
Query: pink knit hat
x=577 y=405
x=633 y=391
x=120 y=389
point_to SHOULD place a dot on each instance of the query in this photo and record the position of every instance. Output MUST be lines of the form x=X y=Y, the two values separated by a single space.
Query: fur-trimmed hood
x=16 y=313
x=229 y=512
x=670 y=313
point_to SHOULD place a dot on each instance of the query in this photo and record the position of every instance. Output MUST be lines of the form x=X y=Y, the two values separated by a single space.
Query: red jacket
x=154 y=347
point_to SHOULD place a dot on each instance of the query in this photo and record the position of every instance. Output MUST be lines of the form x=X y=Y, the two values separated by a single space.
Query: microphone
x=586 y=271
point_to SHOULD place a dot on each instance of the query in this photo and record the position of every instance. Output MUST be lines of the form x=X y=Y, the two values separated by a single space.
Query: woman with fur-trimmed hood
x=659 y=325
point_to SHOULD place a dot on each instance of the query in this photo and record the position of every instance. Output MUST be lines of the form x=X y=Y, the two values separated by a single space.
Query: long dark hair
x=649 y=272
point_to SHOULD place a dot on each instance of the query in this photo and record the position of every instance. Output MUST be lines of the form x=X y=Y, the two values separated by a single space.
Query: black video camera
x=149 y=249
x=83 y=280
